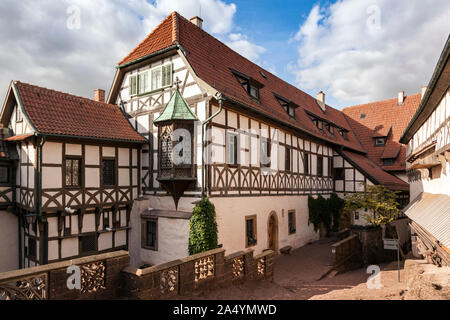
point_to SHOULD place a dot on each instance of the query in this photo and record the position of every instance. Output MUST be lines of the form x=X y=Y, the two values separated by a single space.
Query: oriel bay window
x=73 y=172
x=108 y=172
x=175 y=141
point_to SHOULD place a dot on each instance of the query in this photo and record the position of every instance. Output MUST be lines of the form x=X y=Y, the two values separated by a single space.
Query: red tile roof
x=162 y=37
x=375 y=171
x=57 y=113
x=212 y=60
x=379 y=117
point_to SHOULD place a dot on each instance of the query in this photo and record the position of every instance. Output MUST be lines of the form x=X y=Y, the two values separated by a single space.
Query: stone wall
x=200 y=272
x=110 y=276
x=100 y=278
x=346 y=254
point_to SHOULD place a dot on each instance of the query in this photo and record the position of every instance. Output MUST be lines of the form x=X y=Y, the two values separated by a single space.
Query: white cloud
x=38 y=47
x=240 y=43
x=366 y=50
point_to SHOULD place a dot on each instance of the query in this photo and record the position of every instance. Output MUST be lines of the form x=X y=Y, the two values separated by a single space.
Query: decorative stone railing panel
x=99 y=278
x=196 y=273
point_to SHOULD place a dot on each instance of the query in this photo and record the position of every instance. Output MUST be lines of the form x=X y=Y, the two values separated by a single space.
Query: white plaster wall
x=92 y=155
x=92 y=179
x=69 y=247
x=173 y=241
x=9 y=245
x=109 y=152
x=173 y=234
x=51 y=152
x=105 y=241
x=73 y=149
x=51 y=177
x=231 y=213
x=53 y=250
x=439 y=185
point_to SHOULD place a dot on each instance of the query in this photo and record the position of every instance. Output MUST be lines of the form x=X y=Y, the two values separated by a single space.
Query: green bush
x=326 y=211
x=203 y=227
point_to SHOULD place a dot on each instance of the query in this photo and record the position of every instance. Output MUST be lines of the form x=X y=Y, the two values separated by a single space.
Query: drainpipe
x=39 y=200
x=39 y=180
x=220 y=98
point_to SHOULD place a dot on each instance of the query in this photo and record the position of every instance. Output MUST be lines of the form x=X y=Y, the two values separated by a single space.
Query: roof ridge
x=66 y=94
x=148 y=36
x=257 y=65
x=175 y=30
x=379 y=101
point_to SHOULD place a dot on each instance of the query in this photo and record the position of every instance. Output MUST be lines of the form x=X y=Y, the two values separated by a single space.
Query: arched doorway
x=272 y=229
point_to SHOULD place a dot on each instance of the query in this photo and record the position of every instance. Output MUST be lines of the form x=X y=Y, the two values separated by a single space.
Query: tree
x=380 y=202
x=203 y=227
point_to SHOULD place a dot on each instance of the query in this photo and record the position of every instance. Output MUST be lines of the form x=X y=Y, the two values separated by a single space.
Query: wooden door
x=272 y=229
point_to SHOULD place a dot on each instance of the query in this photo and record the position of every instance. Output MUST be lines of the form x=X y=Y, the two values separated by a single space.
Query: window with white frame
x=151 y=80
x=18 y=114
x=232 y=148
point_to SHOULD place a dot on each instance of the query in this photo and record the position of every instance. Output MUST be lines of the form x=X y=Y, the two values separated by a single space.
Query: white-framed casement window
x=151 y=80
x=18 y=114
x=232 y=148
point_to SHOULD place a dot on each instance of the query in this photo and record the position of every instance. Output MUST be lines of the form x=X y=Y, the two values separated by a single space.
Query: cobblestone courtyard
x=296 y=278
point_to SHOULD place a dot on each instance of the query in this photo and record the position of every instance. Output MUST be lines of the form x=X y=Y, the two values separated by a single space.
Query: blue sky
x=271 y=24
x=356 y=51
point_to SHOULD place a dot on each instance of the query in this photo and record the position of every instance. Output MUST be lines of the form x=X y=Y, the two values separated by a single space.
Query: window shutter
x=167 y=75
x=132 y=85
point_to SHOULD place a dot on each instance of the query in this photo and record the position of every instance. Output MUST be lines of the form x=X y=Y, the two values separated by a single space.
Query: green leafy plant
x=203 y=227
x=336 y=205
x=379 y=202
x=325 y=211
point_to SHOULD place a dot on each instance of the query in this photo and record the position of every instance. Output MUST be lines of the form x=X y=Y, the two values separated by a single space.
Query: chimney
x=99 y=95
x=321 y=100
x=197 y=21
x=321 y=97
x=424 y=89
x=401 y=97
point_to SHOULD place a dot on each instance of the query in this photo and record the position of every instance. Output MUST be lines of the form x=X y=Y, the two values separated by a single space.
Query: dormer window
x=343 y=133
x=250 y=85
x=330 y=128
x=318 y=123
x=380 y=142
x=388 y=162
x=254 y=92
x=287 y=105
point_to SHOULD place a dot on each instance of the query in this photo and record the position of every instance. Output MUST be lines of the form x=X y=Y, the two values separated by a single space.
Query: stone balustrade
x=196 y=273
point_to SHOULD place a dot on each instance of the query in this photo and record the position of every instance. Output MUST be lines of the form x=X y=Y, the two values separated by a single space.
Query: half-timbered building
x=186 y=117
x=428 y=162
x=260 y=145
x=71 y=179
